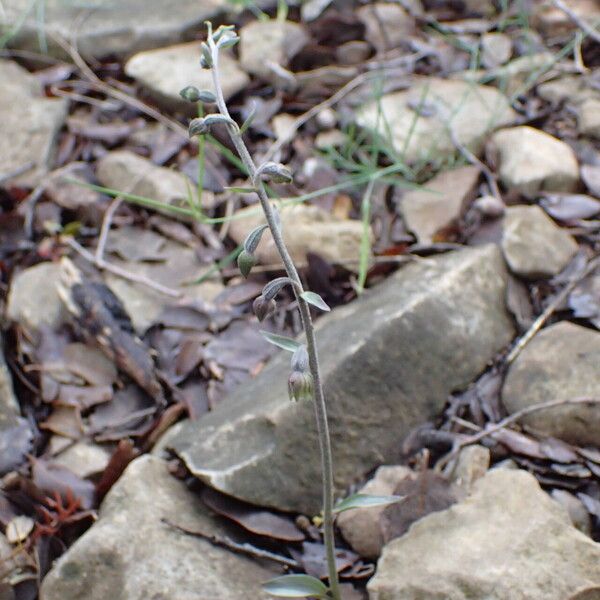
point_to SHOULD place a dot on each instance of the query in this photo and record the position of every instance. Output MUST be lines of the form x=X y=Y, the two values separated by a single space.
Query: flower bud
x=300 y=386
x=263 y=307
x=245 y=262
x=275 y=172
x=190 y=93
x=206 y=61
x=198 y=126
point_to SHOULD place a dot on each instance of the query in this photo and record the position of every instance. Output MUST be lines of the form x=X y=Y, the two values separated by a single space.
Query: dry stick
x=225 y=542
x=583 y=25
x=320 y=405
x=516 y=416
x=545 y=315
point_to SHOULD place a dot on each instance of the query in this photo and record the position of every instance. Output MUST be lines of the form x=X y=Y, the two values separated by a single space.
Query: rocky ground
x=445 y=204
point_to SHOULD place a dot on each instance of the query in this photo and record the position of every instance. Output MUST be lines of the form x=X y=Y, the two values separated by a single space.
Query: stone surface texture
x=530 y=160
x=533 y=245
x=496 y=49
x=509 y=539
x=419 y=117
x=30 y=124
x=440 y=204
x=131 y=554
x=361 y=527
x=305 y=229
x=560 y=363
x=164 y=72
x=126 y=171
x=266 y=43
x=122 y=28
x=389 y=361
x=388 y=25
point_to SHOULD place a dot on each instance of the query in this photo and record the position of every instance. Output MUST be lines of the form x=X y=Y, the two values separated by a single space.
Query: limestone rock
x=263 y=43
x=533 y=245
x=431 y=210
x=131 y=554
x=122 y=28
x=389 y=361
x=419 y=117
x=361 y=527
x=472 y=464
x=164 y=72
x=387 y=25
x=588 y=117
x=33 y=300
x=515 y=77
x=553 y=22
x=561 y=362
x=578 y=513
x=30 y=124
x=496 y=49
x=126 y=171
x=84 y=458
x=530 y=160
x=509 y=539
x=305 y=229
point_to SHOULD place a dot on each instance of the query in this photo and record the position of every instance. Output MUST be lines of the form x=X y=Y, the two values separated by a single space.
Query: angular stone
x=33 y=300
x=84 y=458
x=387 y=25
x=429 y=211
x=515 y=77
x=509 y=539
x=98 y=30
x=530 y=160
x=361 y=527
x=578 y=513
x=389 y=361
x=533 y=245
x=263 y=43
x=132 y=554
x=496 y=49
x=164 y=72
x=588 y=117
x=472 y=464
x=419 y=117
x=126 y=171
x=30 y=124
x=305 y=229
x=560 y=363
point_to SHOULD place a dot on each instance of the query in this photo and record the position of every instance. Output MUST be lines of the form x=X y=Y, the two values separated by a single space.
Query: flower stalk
x=210 y=59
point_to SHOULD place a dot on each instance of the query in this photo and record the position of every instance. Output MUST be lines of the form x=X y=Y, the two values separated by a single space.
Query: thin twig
x=16 y=172
x=229 y=544
x=135 y=277
x=106 y=223
x=583 y=25
x=504 y=423
x=549 y=310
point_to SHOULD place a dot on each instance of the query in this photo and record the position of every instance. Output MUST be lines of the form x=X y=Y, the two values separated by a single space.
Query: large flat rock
x=30 y=124
x=509 y=539
x=130 y=554
x=418 y=120
x=389 y=361
x=101 y=28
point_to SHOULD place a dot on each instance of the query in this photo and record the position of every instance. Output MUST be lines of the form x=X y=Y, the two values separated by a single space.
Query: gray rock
x=578 y=513
x=33 y=300
x=553 y=22
x=305 y=229
x=533 y=245
x=266 y=43
x=560 y=363
x=387 y=25
x=30 y=123
x=83 y=458
x=131 y=554
x=419 y=117
x=361 y=527
x=530 y=160
x=429 y=211
x=126 y=171
x=516 y=76
x=166 y=71
x=509 y=539
x=98 y=29
x=389 y=361
x=496 y=49
x=588 y=117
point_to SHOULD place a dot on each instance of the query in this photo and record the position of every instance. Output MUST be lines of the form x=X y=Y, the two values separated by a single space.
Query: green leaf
x=365 y=501
x=316 y=300
x=240 y=190
x=253 y=238
x=282 y=341
x=296 y=586
x=249 y=119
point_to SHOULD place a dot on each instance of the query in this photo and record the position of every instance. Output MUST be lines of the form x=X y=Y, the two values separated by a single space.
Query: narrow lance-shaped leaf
x=365 y=501
x=281 y=341
x=272 y=288
x=316 y=300
x=253 y=238
x=296 y=586
x=249 y=119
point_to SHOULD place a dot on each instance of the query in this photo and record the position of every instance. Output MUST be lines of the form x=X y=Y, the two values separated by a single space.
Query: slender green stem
x=311 y=346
